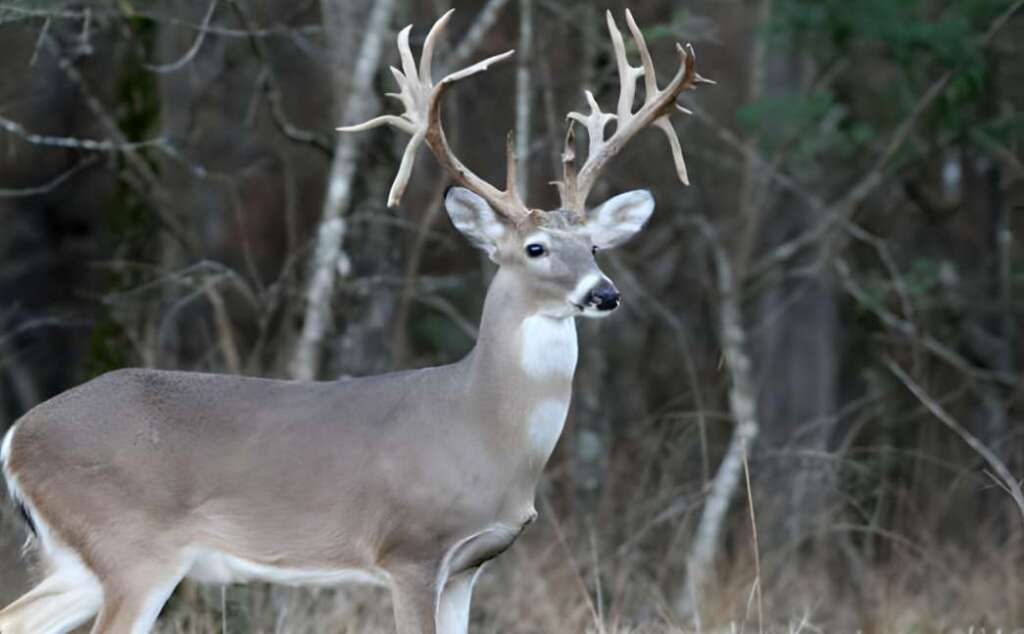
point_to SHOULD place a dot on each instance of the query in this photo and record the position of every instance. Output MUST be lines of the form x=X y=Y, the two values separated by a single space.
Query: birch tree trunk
x=743 y=408
x=524 y=91
x=329 y=258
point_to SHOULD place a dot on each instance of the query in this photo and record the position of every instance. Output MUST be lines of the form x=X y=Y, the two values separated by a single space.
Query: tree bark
x=524 y=92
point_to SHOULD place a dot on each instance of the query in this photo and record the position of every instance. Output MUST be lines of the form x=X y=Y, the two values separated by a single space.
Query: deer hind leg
x=69 y=596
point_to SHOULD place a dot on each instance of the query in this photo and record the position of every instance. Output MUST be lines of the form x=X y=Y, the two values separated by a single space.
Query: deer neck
x=522 y=368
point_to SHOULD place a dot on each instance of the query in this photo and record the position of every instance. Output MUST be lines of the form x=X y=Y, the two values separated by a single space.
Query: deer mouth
x=595 y=310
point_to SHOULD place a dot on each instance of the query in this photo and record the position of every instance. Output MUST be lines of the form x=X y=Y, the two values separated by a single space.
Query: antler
x=422 y=119
x=574 y=188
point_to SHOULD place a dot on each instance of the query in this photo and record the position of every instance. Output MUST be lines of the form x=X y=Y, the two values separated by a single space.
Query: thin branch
x=76 y=143
x=155 y=191
x=52 y=184
x=908 y=329
x=273 y=90
x=192 y=51
x=1003 y=477
x=39 y=42
x=485 y=19
x=399 y=339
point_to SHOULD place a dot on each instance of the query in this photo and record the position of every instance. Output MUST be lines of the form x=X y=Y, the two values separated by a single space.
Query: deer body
x=415 y=479
x=448 y=455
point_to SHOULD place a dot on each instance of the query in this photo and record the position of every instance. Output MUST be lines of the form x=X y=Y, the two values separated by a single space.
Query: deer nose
x=604 y=296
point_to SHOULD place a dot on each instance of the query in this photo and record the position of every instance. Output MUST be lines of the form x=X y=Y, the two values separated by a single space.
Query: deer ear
x=619 y=218
x=474 y=218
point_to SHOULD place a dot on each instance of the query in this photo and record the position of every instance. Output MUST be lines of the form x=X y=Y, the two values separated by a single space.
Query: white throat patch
x=548 y=346
x=546 y=422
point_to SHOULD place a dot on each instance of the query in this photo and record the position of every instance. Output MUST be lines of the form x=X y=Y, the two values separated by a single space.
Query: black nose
x=604 y=296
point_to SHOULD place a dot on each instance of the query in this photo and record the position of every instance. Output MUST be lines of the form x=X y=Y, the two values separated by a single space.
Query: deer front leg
x=414 y=593
x=453 y=609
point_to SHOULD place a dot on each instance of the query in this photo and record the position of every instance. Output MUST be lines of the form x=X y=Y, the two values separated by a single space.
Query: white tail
x=414 y=480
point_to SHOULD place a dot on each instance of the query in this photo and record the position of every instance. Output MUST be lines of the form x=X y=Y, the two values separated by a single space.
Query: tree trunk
x=329 y=259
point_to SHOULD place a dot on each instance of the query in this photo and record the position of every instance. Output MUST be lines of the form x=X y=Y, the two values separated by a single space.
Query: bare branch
x=485 y=19
x=77 y=143
x=191 y=52
x=52 y=184
x=273 y=91
x=1003 y=477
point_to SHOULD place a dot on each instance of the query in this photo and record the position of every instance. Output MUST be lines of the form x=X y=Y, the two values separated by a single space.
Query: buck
x=414 y=480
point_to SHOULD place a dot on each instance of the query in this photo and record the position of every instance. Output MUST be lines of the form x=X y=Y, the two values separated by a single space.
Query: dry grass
x=946 y=556
x=539 y=588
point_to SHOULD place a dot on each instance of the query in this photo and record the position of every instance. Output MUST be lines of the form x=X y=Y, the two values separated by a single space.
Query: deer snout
x=604 y=296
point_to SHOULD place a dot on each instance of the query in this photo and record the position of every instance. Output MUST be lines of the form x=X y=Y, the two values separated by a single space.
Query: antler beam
x=658 y=104
x=422 y=119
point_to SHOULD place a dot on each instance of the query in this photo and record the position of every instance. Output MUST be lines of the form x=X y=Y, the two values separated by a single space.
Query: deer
x=411 y=480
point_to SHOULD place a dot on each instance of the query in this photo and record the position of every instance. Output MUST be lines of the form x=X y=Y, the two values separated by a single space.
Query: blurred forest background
x=806 y=418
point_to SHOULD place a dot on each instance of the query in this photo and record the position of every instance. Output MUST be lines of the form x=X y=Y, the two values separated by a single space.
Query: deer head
x=553 y=250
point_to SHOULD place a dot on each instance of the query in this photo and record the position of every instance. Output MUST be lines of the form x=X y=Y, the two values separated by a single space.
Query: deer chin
x=590 y=311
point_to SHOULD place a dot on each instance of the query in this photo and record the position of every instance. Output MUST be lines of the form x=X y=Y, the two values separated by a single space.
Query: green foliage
x=138 y=114
x=992 y=134
x=791 y=122
x=918 y=283
x=437 y=333
x=922 y=278
x=685 y=26
x=907 y=30
x=908 y=44
x=107 y=349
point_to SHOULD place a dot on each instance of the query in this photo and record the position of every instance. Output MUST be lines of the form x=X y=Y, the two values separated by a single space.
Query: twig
x=139 y=166
x=274 y=93
x=577 y=574
x=191 y=52
x=399 y=340
x=76 y=143
x=485 y=19
x=52 y=184
x=757 y=547
x=908 y=329
x=43 y=32
x=1003 y=477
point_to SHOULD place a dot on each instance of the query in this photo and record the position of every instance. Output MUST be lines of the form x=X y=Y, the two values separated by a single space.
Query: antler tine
x=567 y=186
x=627 y=72
x=658 y=105
x=421 y=98
x=427 y=56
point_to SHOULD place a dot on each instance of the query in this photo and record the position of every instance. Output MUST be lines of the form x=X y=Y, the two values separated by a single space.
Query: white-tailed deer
x=140 y=478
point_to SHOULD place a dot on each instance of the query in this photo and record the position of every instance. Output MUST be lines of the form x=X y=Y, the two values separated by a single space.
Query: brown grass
x=538 y=587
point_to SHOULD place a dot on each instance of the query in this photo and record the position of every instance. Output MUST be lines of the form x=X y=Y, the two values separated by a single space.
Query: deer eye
x=535 y=250
x=593 y=249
